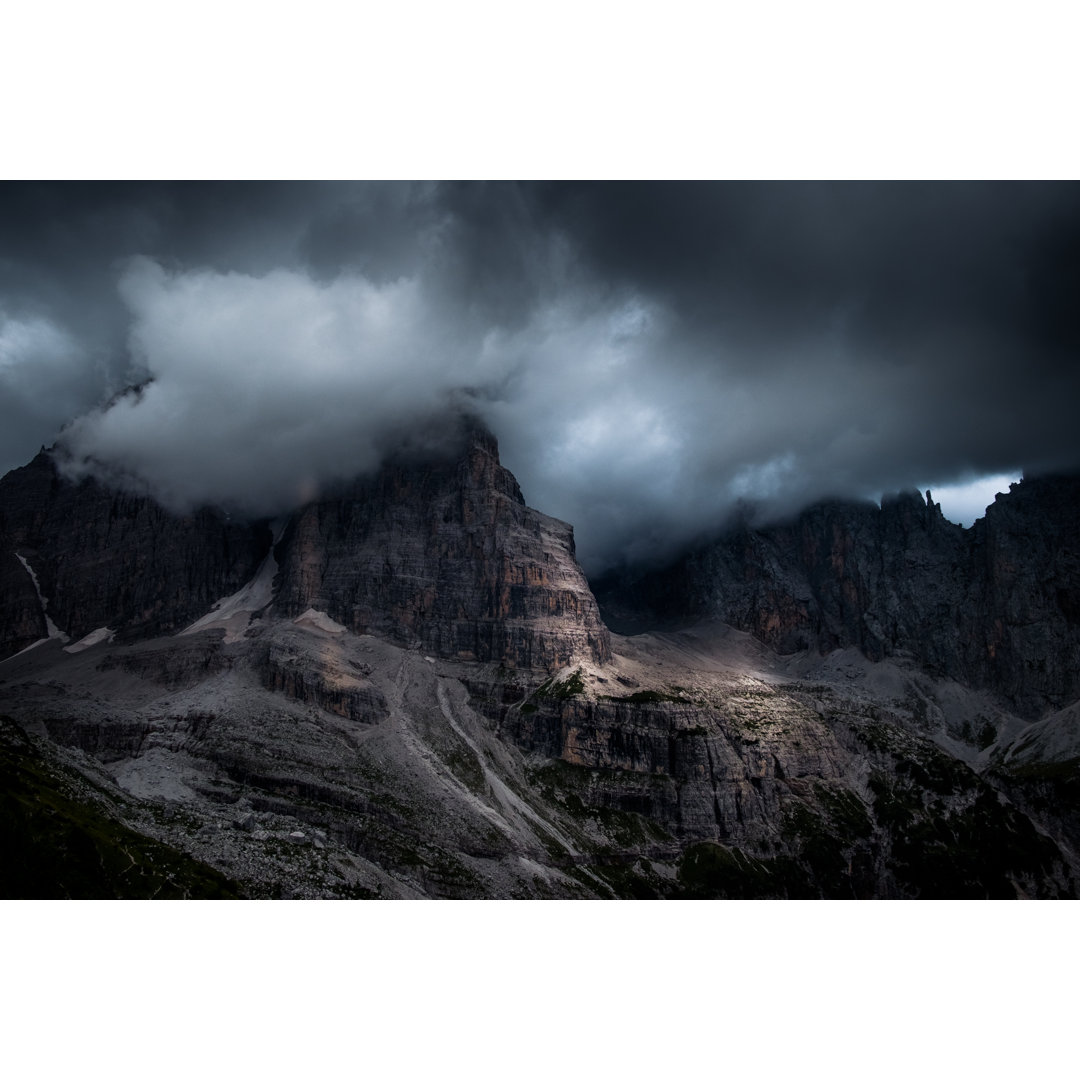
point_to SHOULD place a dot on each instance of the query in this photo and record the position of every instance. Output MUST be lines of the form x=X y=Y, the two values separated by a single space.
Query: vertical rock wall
x=447 y=556
x=995 y=606
x=105 y=558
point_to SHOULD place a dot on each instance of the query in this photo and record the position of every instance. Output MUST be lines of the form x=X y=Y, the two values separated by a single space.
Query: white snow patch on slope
x=51 y=627
x=319 y=620
x=1055 y=738
x=32 y=645
x=233 y=613
x=95 y=637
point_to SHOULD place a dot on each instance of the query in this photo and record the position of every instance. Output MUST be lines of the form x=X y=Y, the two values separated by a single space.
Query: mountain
x=996 y=606
x=106 y=558
x=405 y=688
x=443 y=554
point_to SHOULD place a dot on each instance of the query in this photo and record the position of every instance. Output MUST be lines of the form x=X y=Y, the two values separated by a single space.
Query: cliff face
x=107 y=559
x=442 y=554
x=412 y=735
x=995 y=606
x=449 y=557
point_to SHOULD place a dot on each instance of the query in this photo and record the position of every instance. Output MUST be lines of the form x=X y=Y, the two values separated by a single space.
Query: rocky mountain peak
x=446 y=556
x=432 y=551
x=996 y=606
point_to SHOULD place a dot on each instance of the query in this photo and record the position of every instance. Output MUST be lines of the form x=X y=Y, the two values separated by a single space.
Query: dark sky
x=648 y=354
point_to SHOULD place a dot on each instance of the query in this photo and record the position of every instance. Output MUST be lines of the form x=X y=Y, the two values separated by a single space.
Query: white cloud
x=265 y=386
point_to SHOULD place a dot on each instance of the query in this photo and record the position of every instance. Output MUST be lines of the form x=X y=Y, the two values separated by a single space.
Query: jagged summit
x=994 y=606
x=447 y=556
x=404 y=688
x=432 y=550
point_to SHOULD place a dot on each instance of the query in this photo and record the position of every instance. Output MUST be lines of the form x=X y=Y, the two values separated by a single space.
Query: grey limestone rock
x=440 y=552
x=995 y=606
x=110 y=559
x=447 y=556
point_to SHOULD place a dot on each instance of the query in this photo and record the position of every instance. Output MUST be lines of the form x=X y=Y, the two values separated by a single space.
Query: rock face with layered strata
x=688 y=765
x=441 y=553
x=445 y=555
x=331 y=683
x=994 y=606
x=108 y=559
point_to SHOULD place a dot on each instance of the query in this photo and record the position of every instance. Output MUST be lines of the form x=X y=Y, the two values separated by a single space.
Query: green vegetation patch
x=845 y=811
x=833 y=841
x=576 y=790
x=1054 y=772
x=978 y=848
x=571 y=686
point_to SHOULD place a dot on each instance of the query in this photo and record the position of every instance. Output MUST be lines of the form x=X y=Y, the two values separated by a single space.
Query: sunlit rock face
x=447 y=556
x=994 y=606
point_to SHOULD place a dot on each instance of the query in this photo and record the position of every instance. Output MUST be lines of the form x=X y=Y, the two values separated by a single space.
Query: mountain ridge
x=440 y=551
x=407 y=690
x=996 y=606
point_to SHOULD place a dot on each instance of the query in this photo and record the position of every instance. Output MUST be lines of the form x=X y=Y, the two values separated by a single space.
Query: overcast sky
x=647 y=354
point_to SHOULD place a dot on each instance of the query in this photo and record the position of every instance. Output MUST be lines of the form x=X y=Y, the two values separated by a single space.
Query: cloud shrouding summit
x=648 y=355
x=263 y=388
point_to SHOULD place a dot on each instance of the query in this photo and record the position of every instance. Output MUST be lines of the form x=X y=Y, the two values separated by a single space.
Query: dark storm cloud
x=648 y=354
x=848 y=337
x=781 y=260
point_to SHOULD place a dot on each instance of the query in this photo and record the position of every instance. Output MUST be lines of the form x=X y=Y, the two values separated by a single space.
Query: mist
x=649 y=356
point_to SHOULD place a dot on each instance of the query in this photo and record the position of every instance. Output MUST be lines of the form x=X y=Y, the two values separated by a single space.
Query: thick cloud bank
x=650 y=356
x=263 y=388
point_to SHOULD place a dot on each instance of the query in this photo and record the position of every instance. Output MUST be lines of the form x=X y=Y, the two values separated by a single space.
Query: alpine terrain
x=407 y=688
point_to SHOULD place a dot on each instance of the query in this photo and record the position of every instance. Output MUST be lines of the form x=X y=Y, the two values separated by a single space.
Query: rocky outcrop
x=994 y=606
x=108 y=559
x=702 y=770
x=329 y=682
x=787 y=792
x=441 y=553
x=447 y=556
x=171 y=664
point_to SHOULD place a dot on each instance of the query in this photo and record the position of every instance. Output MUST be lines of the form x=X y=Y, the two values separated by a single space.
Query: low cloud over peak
x=648 y=355
x=262 y=388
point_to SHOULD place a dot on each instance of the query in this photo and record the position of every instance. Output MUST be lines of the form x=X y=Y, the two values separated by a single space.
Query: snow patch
x=95 y=637
x=277 y=528
x=32 y=645
x=51 y=628
x=233 y=613
x=319 y=620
